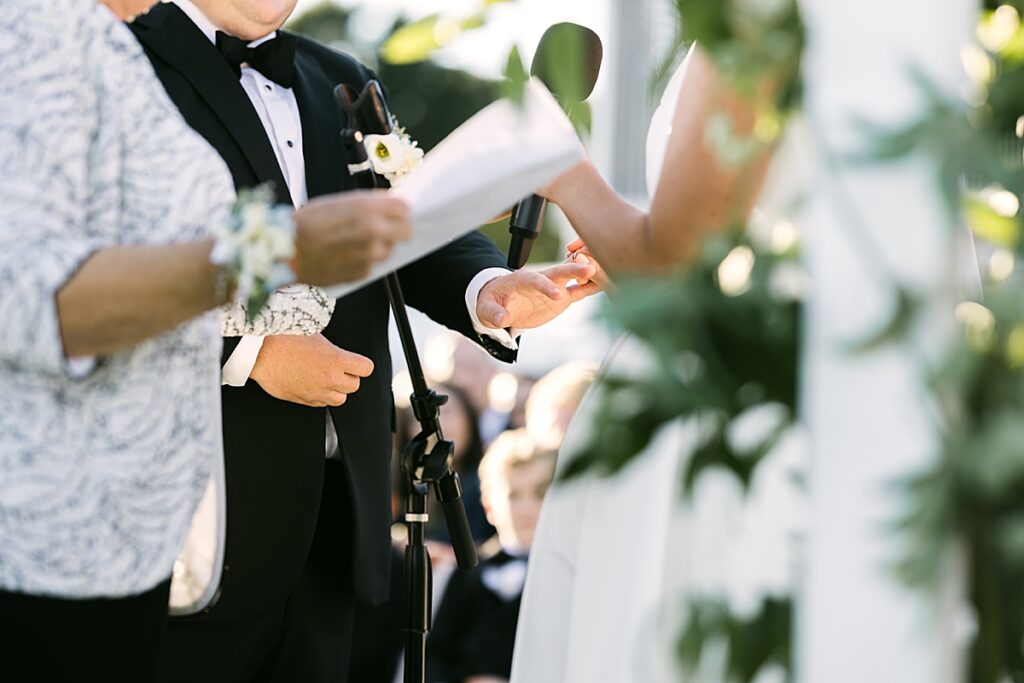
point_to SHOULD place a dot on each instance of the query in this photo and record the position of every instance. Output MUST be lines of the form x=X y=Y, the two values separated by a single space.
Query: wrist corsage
x=254 y=246
x=395 y=155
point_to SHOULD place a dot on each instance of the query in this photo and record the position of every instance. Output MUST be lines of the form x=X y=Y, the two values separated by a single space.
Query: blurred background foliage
x=429 y=99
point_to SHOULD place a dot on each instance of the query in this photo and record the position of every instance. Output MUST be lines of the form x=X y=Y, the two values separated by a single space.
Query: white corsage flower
x=254 y=245
x=395 y=155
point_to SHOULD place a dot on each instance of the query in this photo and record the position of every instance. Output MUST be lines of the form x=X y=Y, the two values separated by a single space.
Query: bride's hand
x=578 y=253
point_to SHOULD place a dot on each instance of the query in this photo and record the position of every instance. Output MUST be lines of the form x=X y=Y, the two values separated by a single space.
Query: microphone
x=562 y=46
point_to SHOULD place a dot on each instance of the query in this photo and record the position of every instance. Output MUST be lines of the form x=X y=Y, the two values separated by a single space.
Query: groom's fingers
x=334 y=399
x=494 y=314
x=355 y=364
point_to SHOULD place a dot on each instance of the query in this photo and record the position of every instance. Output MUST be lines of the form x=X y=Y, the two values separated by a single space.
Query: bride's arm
x=696 y=193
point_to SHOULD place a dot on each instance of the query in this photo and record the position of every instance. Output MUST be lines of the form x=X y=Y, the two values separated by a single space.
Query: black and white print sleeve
x=296 y=309
x=48 y=122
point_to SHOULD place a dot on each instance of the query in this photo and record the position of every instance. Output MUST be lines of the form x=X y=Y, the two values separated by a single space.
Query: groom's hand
x=340 y=237
x=309 y=370
x=526 y=299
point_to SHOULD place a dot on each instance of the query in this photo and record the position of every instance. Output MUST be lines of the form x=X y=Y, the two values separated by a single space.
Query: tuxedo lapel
x=173 y=37
x=326 y=166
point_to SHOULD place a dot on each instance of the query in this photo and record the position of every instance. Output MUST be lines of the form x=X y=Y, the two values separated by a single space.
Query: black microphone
x=562 y=46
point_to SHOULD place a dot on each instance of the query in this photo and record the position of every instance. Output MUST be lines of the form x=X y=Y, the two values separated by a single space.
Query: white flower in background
x=788 y=282
x=752 y=427
x=772 y=673
x=395 y=155
x=735 y=269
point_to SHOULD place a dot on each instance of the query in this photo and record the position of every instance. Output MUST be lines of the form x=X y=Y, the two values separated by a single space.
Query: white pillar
x=868 y=413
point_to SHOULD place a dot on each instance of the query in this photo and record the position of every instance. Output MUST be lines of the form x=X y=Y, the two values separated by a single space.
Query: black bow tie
x=275 y=58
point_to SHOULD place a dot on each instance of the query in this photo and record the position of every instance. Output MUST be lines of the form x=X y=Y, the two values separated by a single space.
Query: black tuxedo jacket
x=274 y=450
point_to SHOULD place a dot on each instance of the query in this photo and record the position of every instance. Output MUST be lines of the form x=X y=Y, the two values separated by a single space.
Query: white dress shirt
x=278 y=111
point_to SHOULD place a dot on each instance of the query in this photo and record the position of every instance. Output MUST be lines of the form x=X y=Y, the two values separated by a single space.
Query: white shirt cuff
x=506 y=338
x=239 y=365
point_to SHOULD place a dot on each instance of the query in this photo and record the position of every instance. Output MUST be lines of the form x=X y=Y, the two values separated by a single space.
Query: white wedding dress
x=614 y=560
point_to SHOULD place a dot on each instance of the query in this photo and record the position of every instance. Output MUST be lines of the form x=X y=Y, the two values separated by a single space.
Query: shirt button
x=290 y=143
x=268 y=88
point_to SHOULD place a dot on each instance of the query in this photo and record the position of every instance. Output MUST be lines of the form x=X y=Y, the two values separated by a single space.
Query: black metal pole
x=418 y=587
x=427 y=459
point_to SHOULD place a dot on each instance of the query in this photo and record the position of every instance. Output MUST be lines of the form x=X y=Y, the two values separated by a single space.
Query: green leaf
x=894 y=329
x=995 y=466
x=581 y=117
x=513 y=87
x=751 y=644
x=415 y=42
x=989 y=225
x=255 y=303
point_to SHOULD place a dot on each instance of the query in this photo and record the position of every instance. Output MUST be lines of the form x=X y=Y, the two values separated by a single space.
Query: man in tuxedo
x=308 y=478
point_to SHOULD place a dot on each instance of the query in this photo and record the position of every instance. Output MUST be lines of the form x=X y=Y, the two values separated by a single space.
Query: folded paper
x=489 y=163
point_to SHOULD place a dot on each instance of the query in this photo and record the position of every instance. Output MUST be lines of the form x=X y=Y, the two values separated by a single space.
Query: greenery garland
x=973 y=497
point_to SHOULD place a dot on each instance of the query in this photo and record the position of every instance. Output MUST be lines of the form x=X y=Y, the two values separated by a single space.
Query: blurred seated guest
x=475 y=627
x=554 y=399
x=454 y=361
x=460 y=423
x=109 y=361
x=517 y=416
x=506 y=404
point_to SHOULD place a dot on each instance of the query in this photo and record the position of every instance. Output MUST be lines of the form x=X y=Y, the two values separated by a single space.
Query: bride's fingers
x=583 y=257
x=566 y=272
x=575 y=246
x=582 y=291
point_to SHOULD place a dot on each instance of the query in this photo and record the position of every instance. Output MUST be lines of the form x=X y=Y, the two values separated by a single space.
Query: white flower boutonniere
x=393 y=156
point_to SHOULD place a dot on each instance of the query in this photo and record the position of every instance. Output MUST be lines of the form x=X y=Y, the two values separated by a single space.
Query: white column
x=868 y=413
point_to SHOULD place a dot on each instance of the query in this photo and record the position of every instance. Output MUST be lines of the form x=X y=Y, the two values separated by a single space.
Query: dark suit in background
x=475 y=627
x=305 y=537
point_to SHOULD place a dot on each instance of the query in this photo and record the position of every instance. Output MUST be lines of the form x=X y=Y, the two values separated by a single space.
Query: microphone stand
x=427 y=459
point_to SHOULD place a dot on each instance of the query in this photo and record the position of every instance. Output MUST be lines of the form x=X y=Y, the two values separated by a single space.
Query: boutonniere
x=395 y=155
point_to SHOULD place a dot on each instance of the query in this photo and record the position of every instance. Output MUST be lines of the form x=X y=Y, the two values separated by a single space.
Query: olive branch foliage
x=972 y=498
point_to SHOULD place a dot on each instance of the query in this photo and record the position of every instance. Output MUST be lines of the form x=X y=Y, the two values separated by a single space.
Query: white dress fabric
x=614 y=560
x=99 y=475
